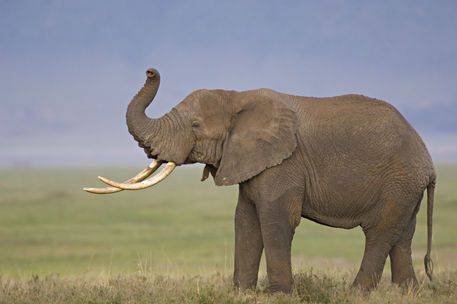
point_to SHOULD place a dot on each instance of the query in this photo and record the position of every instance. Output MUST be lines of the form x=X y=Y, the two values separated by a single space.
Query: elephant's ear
x=262 y=135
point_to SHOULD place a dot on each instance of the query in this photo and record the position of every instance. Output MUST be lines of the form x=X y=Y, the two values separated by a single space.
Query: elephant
x=343 y=162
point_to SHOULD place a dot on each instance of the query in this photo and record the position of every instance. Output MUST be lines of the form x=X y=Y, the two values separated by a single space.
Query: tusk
x=170 y=166
x=145 y=173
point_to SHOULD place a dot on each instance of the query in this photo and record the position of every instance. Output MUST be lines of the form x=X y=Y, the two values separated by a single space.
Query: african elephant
x=342 y=161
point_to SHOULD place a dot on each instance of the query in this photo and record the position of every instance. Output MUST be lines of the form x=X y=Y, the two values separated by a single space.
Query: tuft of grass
x=310 y=287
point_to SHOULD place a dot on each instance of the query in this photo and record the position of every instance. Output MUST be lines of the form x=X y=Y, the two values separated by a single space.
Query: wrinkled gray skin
x=343 y=161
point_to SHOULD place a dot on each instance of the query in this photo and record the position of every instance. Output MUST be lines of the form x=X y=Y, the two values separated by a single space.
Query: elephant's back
x=367 y=126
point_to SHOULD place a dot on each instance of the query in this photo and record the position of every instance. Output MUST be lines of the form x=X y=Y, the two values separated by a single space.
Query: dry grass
x=310 y=287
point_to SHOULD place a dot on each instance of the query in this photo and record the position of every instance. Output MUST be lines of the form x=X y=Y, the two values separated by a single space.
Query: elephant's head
x=236 y=134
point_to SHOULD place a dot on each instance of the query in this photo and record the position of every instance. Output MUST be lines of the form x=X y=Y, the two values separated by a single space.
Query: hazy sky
x=69 y=68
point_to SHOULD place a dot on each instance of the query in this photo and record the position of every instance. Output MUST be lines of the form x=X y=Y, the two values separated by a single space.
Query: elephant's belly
x=343 y=207
x=342 y=221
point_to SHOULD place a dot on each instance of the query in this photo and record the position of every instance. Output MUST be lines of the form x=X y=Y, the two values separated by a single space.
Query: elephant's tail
x=427 y=259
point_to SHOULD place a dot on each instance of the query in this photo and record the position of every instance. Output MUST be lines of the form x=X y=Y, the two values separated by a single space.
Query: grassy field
x=54 y=235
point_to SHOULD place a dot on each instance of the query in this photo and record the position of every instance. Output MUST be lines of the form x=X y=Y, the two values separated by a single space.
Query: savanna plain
x=173 y=243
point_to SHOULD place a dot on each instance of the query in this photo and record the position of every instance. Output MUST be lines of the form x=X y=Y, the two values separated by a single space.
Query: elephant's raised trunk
x=138 y=122
x=141 y=126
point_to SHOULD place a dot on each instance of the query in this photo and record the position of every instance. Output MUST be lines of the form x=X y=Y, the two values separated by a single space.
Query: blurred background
x=69 y=68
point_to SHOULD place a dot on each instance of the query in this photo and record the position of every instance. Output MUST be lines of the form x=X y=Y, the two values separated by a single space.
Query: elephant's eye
x=195 y=124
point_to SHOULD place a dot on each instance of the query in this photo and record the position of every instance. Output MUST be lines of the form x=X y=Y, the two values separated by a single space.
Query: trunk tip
x=152 y=73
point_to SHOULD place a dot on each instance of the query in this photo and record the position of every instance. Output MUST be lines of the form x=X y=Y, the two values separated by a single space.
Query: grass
x=310 y=287
x=54 y=236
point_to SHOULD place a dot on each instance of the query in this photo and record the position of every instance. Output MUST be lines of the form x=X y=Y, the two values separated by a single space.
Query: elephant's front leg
x=278 y=220
x=248 y=244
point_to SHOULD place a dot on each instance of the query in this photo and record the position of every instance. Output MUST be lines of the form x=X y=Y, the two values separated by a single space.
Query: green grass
x=181 y=227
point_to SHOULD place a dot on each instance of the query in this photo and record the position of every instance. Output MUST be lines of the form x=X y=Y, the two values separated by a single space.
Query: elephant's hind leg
x=377 y=247
x=248 y=245
x=385 y=233
x=400 y=257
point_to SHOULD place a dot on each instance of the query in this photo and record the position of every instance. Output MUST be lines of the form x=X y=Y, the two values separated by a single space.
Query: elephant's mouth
x=152 y=153
x=168 y=152
x=148 y=150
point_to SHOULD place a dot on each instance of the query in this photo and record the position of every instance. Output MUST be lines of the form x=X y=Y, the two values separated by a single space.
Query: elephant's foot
x=285 y=287
x=407 y=281
x=366 y=282
x=243 y=283
x=242 y=288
